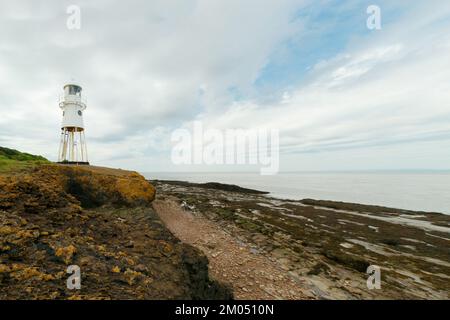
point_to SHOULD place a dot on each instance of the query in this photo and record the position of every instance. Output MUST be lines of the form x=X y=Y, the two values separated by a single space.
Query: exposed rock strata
x=101 y=220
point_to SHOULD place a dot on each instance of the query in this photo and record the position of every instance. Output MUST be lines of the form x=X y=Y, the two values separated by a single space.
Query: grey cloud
x=148 y=67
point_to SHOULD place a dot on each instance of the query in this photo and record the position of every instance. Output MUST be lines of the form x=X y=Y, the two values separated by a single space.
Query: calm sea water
x=414 y=191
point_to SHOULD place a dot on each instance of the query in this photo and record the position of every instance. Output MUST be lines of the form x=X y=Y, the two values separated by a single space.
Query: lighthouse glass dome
x=72 y=89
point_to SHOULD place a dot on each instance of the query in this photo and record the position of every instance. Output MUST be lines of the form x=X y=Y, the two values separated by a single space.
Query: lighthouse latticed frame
x=72 y=147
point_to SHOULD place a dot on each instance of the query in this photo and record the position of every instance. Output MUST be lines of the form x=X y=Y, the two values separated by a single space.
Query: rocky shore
x=270 y=248
x=100 y=220
x=135 y=239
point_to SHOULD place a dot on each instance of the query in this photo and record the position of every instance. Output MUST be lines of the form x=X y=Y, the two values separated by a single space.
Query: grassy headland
x=11 y=159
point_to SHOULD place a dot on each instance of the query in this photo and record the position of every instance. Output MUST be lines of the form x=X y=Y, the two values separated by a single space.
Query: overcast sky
x=343 y=97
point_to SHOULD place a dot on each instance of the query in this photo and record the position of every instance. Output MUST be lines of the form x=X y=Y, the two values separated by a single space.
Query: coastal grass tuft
x=13 y=160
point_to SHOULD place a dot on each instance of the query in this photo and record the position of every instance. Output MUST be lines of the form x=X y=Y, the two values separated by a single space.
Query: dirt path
x=252 y=275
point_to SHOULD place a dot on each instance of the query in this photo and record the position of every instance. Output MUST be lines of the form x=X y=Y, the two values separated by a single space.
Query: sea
x=420 y=191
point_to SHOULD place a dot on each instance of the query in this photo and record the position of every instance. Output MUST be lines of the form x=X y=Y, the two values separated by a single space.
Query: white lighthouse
x=72 y=148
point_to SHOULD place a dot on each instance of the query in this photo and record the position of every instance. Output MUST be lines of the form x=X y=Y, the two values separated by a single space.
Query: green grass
x=11 y=159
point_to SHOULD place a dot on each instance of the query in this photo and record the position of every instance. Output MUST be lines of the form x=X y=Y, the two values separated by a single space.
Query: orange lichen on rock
x=116 y=269
x=94 y=186
x=135 y=188
x=33 y=192
x=66 y=253
x=57 y=186
x=22 y=272
x=132 y=276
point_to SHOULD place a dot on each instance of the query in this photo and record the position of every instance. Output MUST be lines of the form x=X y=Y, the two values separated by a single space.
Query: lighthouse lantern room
x=72 y=147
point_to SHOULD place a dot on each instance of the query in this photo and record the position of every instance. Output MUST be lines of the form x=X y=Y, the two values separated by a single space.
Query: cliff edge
x=100 y=220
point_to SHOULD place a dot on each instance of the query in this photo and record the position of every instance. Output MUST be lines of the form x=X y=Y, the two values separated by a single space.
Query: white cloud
x=141 y=63
x=150 y=67
x=387 y=90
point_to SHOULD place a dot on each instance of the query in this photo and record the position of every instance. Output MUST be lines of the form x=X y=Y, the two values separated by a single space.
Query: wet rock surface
x=100 y=220
x=213 y=185
x=324 y=247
